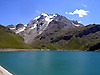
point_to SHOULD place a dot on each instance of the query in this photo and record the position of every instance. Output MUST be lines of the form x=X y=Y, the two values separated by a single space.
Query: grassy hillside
x=9 y=39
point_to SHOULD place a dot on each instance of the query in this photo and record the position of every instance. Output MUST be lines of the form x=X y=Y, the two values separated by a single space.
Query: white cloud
x=80 y=12
x=84 y=5
x=71 y=13
x=37 y=11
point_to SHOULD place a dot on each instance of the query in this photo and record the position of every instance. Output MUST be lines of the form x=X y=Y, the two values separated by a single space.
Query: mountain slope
x=9 y=39
x=37 y=26
x=79 y=38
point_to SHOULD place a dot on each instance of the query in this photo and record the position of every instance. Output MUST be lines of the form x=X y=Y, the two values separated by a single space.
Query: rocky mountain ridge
x=37 y=25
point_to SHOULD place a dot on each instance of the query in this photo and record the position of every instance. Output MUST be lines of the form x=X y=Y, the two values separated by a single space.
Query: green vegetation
x=9 y=39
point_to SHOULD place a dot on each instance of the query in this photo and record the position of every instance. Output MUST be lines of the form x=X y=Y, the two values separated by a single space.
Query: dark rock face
x=88 y=30
x=19 y=26
x=75 y=22
x=95 y=47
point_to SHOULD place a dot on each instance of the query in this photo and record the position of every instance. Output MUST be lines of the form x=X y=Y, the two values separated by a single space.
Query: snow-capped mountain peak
x=37 y=25
x=44 y=14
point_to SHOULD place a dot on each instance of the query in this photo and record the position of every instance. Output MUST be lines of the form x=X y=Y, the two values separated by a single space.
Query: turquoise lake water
x=51 y=62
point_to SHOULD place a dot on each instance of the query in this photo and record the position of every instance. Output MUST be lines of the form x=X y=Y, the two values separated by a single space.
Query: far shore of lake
x=5 y=49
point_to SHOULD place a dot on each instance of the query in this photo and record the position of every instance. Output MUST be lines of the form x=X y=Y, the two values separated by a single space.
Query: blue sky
x=22 y=11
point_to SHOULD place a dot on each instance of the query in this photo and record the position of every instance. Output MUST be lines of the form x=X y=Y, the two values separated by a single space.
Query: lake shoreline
x=7 y=49
x=4 y=50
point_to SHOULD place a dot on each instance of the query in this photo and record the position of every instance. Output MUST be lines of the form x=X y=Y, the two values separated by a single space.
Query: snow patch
x=44 y=14
x=40 y=32
x=54 y=15
x=77 y=25
x=20 y=30
x=48 y=19
x=12 y=28
x=33 y=26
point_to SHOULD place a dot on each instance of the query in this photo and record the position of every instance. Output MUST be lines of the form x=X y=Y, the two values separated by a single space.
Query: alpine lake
x=51 y=62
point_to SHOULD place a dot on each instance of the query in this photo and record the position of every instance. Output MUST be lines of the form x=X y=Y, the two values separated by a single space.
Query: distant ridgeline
x=54 y=32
